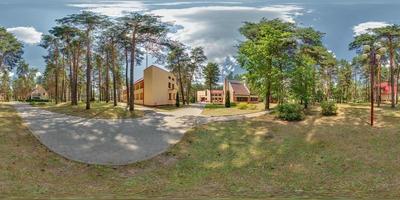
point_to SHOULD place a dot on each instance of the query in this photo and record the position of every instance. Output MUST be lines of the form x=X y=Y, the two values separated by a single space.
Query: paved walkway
x=113 y=142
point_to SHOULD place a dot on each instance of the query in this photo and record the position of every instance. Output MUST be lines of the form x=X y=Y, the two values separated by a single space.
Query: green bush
x=242 y=106
x=290 y=112
x=37 y=100
x=329 y=108
x=252 y=107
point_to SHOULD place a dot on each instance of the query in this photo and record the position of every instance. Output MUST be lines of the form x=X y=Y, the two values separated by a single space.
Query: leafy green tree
x=390 y=37
x=52 y=44
x=178 y=61
x=5 y=85
x=302 y=79
x=142 y=29
x=10 y=50
x=196 y=64
x=344 y=81
x=25 y=81
x=265 y=52
x=211 y=75
x=72 y=42
x=89 y=22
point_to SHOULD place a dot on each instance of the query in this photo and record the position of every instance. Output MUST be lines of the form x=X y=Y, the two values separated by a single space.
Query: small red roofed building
x=239 y=92
x=386 y=91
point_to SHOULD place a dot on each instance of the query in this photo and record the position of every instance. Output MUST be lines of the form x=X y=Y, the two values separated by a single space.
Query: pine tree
x=177 y=100
x=227 y=99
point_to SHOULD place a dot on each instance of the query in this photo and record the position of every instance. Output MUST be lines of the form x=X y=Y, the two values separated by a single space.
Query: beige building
x=157 y=87
x=3 y=96
x=204 y=96
x=39 y=93
x=239 y=92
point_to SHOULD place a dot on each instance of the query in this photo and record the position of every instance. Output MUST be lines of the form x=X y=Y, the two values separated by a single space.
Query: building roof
x=37 y=88
x=239 y=88
x=217 y=92
x=153 y=66
x=141 y=79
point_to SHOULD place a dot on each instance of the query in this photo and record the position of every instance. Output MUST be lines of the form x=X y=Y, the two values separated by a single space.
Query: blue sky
x=212 y=24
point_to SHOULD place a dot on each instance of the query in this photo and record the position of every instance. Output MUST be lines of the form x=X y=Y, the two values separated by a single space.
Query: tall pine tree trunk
x=88 y=71
x=268 y=95
x=391 y=49
x=107 y=86
x=127 y=76
x=131 y=88
x=113 y=58
x=181 y=84
x=99 y=67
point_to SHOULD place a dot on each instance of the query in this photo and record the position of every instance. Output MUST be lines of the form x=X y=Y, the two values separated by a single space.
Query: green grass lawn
x=98 y=110
x=220 y=110
x=258 y=158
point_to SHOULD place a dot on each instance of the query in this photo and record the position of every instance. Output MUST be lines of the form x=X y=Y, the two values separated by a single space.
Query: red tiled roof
x=239 y=88
x=217 y=92
x=138 y=81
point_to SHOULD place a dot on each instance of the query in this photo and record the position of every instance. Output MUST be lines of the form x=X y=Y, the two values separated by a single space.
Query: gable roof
x=239 y=88
x=38 y=89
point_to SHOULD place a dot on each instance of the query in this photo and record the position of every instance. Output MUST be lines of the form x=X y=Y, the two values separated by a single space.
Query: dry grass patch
x=98 y=110
x=338 y=156
x=220 y=110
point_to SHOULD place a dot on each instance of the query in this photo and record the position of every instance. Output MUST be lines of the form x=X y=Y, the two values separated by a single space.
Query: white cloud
x=367 y=26
x=112 y=8
x=216 y=28
x=28 y=35
x=38 y=74
x=193 y=2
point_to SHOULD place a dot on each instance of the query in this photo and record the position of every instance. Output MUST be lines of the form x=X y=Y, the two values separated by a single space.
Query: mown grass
x=220 y=110
x=338 y=156
x=99 y=110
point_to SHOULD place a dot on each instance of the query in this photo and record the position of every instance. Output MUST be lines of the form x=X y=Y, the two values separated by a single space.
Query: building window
x=169 y=77
x=242 y=99
x=170 y=95
x=169 y=85
x=173 y=86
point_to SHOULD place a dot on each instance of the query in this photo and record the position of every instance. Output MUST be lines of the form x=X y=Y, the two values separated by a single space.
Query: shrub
x=252 y=107
x=290 y=112
x=329 y=108
x=37 y=100
x=242 y=106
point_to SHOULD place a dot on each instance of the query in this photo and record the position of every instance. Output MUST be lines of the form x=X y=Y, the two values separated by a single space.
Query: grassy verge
x=220 y=110
x=169 y=108
x=339 y=156
x=98 y=110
